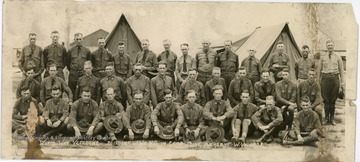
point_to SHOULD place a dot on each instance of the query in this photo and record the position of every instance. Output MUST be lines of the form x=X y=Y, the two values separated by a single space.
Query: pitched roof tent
x=91 y=39
x=123 y=32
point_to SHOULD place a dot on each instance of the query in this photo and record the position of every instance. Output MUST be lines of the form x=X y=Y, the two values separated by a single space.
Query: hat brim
x=165 y=136
x=221 y=131
x=195 y=140
x=111 y=129
x=137 y=130
x=82 y=129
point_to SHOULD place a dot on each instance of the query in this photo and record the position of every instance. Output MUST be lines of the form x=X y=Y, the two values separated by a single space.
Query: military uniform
x=210 y=84
x=138 y=84
x=183 y=64
x=123 y=66
x=263 y=89
x=21 y=108
x=55 y=112
x=32 y=57
x=33 y=85
x=272 y=117
x=204 y=64
x=117 y=84
x=229 y=65
x=46 y=87
x=55 y=54
x=281 y=59
x=167 y=115
x=253 y=68
x=99 y=59
x=110 y=108
x=237 y=86
x=312 y=90
x=285 y=93
x=93 y=83
x=134 y=113
x=192 y=85
x=243 y=111
x=302 y=68
x=149 y=60
x=170 y=58
x=193 y=117
x=216 y=109
x=157 y=87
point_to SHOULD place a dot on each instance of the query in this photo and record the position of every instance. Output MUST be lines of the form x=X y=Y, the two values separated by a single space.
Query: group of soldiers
x=214 y=97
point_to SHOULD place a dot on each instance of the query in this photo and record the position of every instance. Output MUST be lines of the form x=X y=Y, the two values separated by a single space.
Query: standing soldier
x=55 y=53
x=279 y=61
x=123 y=65
x=138 y=82
x=90 y=81
x=286 y=98
x=100 y=58
x=32 y=57
x=253 y=66
x=30 y=82
x=115 y=82
x=238 y=85
x=205 y=62
x=183 y=64
x=170 y=58
x=264 y=87
x=147 y=59
x=159 y=84
x=77 y=55
x=228 y=62
x=192 y=84
x=215 y=80
x=303 y=65
x=332 y=80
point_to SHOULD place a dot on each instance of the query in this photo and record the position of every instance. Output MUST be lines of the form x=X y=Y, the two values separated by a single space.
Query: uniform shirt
x=150 y=60
x=228 y=62
x=134 y=113
x=84 y=111
x=332 y=65
x=242 y=111
x=33 y=85
x=236 y=87
x=32 y=57
x=22 y=106
x=192 y=85
x=310 y=89
x=170 y=58
x=110 y=108
x=46 y=86
x=190 y=63
x=116 y=83
x=272 y=117
x=56 y=111
x=285 y=92
x=205 y=61
x=77 y=55
x=252 y=65
x=302 y=68
x=123 y=65
x=167 y=114
x=280 y=59
x=138 y=84
x=157 y=87
x=307 y=122
x=193 y=115
x=217 y=108
x=100 y=58
x=93 y=83
x=55 y=54
x=210 y=84
x=263 y=89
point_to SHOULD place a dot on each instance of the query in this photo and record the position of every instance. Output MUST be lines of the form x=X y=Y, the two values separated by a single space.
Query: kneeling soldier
x=56 y=113
x=307 y=126
x=136 y=119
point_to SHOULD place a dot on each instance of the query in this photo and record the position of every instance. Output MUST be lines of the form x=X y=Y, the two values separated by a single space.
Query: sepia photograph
x=212 y=81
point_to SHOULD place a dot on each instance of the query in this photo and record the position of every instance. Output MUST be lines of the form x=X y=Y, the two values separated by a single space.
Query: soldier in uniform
x=278 y=61
x=264 y=87
x=228 y=62
x=123 y=65
x=215 y=80
x=167 y=113
x=138 y=82
x=159 y=84
x=192 y=84
x=183 y=64
x=30 y=82
x=147 y=59
x=253 y=66
x=55 y=53
x=90 y=81
x=170 y=58
x=32 y=57
x=49 y=82
x=238 y=85
x=77 y=55
x=205 y=61
x=100 y=58
x=303 y=65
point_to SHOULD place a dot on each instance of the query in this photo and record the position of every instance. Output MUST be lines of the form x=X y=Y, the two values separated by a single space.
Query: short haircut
x=167 y=91
x=193 y=69
x=52 y=65
x=85 y=89
x=138 y=92
x=101 y=38
x=87 y=63
x=145 y=40
x=78 y=34
x=305 y=99
x=121 y=43
x=305 y=46
x=24 y=88
x=110 y=64
x=184 y=44
x=242 y=68
x=329 y=41
x=217 y=87
x=55 y=32
x=265 y=71
x=28 y=69
x=55 y=88
x=167 y=41
x=286 y=70
x=191 y=91
x=138 y=64
x=270 y=97
x=229 y=41
x=280 y=42
x=245 y=91
x=162 y=63
x=110 y=90
x=312 y=69
x=32 y=34
x=216 y=68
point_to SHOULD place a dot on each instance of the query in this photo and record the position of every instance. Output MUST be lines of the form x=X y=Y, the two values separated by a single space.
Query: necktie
x=144 y=58
x=53 y=82
x=330 y=53
x=78 y=50
x=227 y=55
x=184 y=64
x=244 y=111
x=207 y=57
x=32 y=51
x=101 y=54
x=167 y=54
x=250 y=63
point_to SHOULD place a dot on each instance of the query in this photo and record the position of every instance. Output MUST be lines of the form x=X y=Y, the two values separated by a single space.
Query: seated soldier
x=242 y=118
x=268 y=120
x=110 y=107
x=167 y=114
x=264 y=87
x=239 y=84
x=215 y=80
x=218 y=111
x=307 y=126
x=192 y=84
x=56 y=114
x=194 y=124
x=20 y=110
x=82 y=118
x=30 y=82
x=136 y=119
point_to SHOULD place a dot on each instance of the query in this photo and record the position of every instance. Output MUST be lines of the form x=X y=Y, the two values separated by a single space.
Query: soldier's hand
x=177 y=132
x=77 y=132
x=248 y=121
x=300 y=138
x=187 y=131
x=222 y=117
x=262 y=128
x=313 y=133
x=276 y=65
x=24 y=117
x=196 y=133
x=146 y=134
x=49 y=123
x=156 y=130
x=57 y=123
x=131 y=134
x=90 y=131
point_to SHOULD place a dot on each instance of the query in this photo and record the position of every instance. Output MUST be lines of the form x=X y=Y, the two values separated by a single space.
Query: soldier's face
x=88 y=70
x=52 y=71
x=245 y=97
x=85 y=96
x=330 y=46
x=110 y=95
x=162 y=69
x=218 y=94
x=269 y=103
x=78 y=39
x=26 y=94
x=280 y=48
x=32 y=39
x=145 y=45
x=121 y=48
x=55 y=37
x=30 y=74
x=192 y=75
x=305 y=106
x=137 y=70
x=168 y=98
x=265 y=76
x=242 y=73
x=138 y=99
x=55 y=94
x=185 y=50
x=252 y=52
x=285 y=75
x=311 y=75
x=206 y=45
x=227 y=46
x=216 y=73
x=101 y=43
x=167 y=46
x=305 y=52
x=191 y=97
x=109 y=70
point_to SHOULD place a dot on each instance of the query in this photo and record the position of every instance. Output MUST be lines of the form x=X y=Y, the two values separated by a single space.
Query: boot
x=332 y=121
x=325 y=121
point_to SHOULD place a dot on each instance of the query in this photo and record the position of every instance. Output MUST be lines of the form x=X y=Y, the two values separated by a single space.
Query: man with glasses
x=100 y=58
x=303 y=65
x=138 y=83
x=228 y=62
x=170 y=58
x=278 y=61
x=205 y=61
x=55 y=53
x=253 y=66
x=183 y=64
x=32 y=57
x=147 y=59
